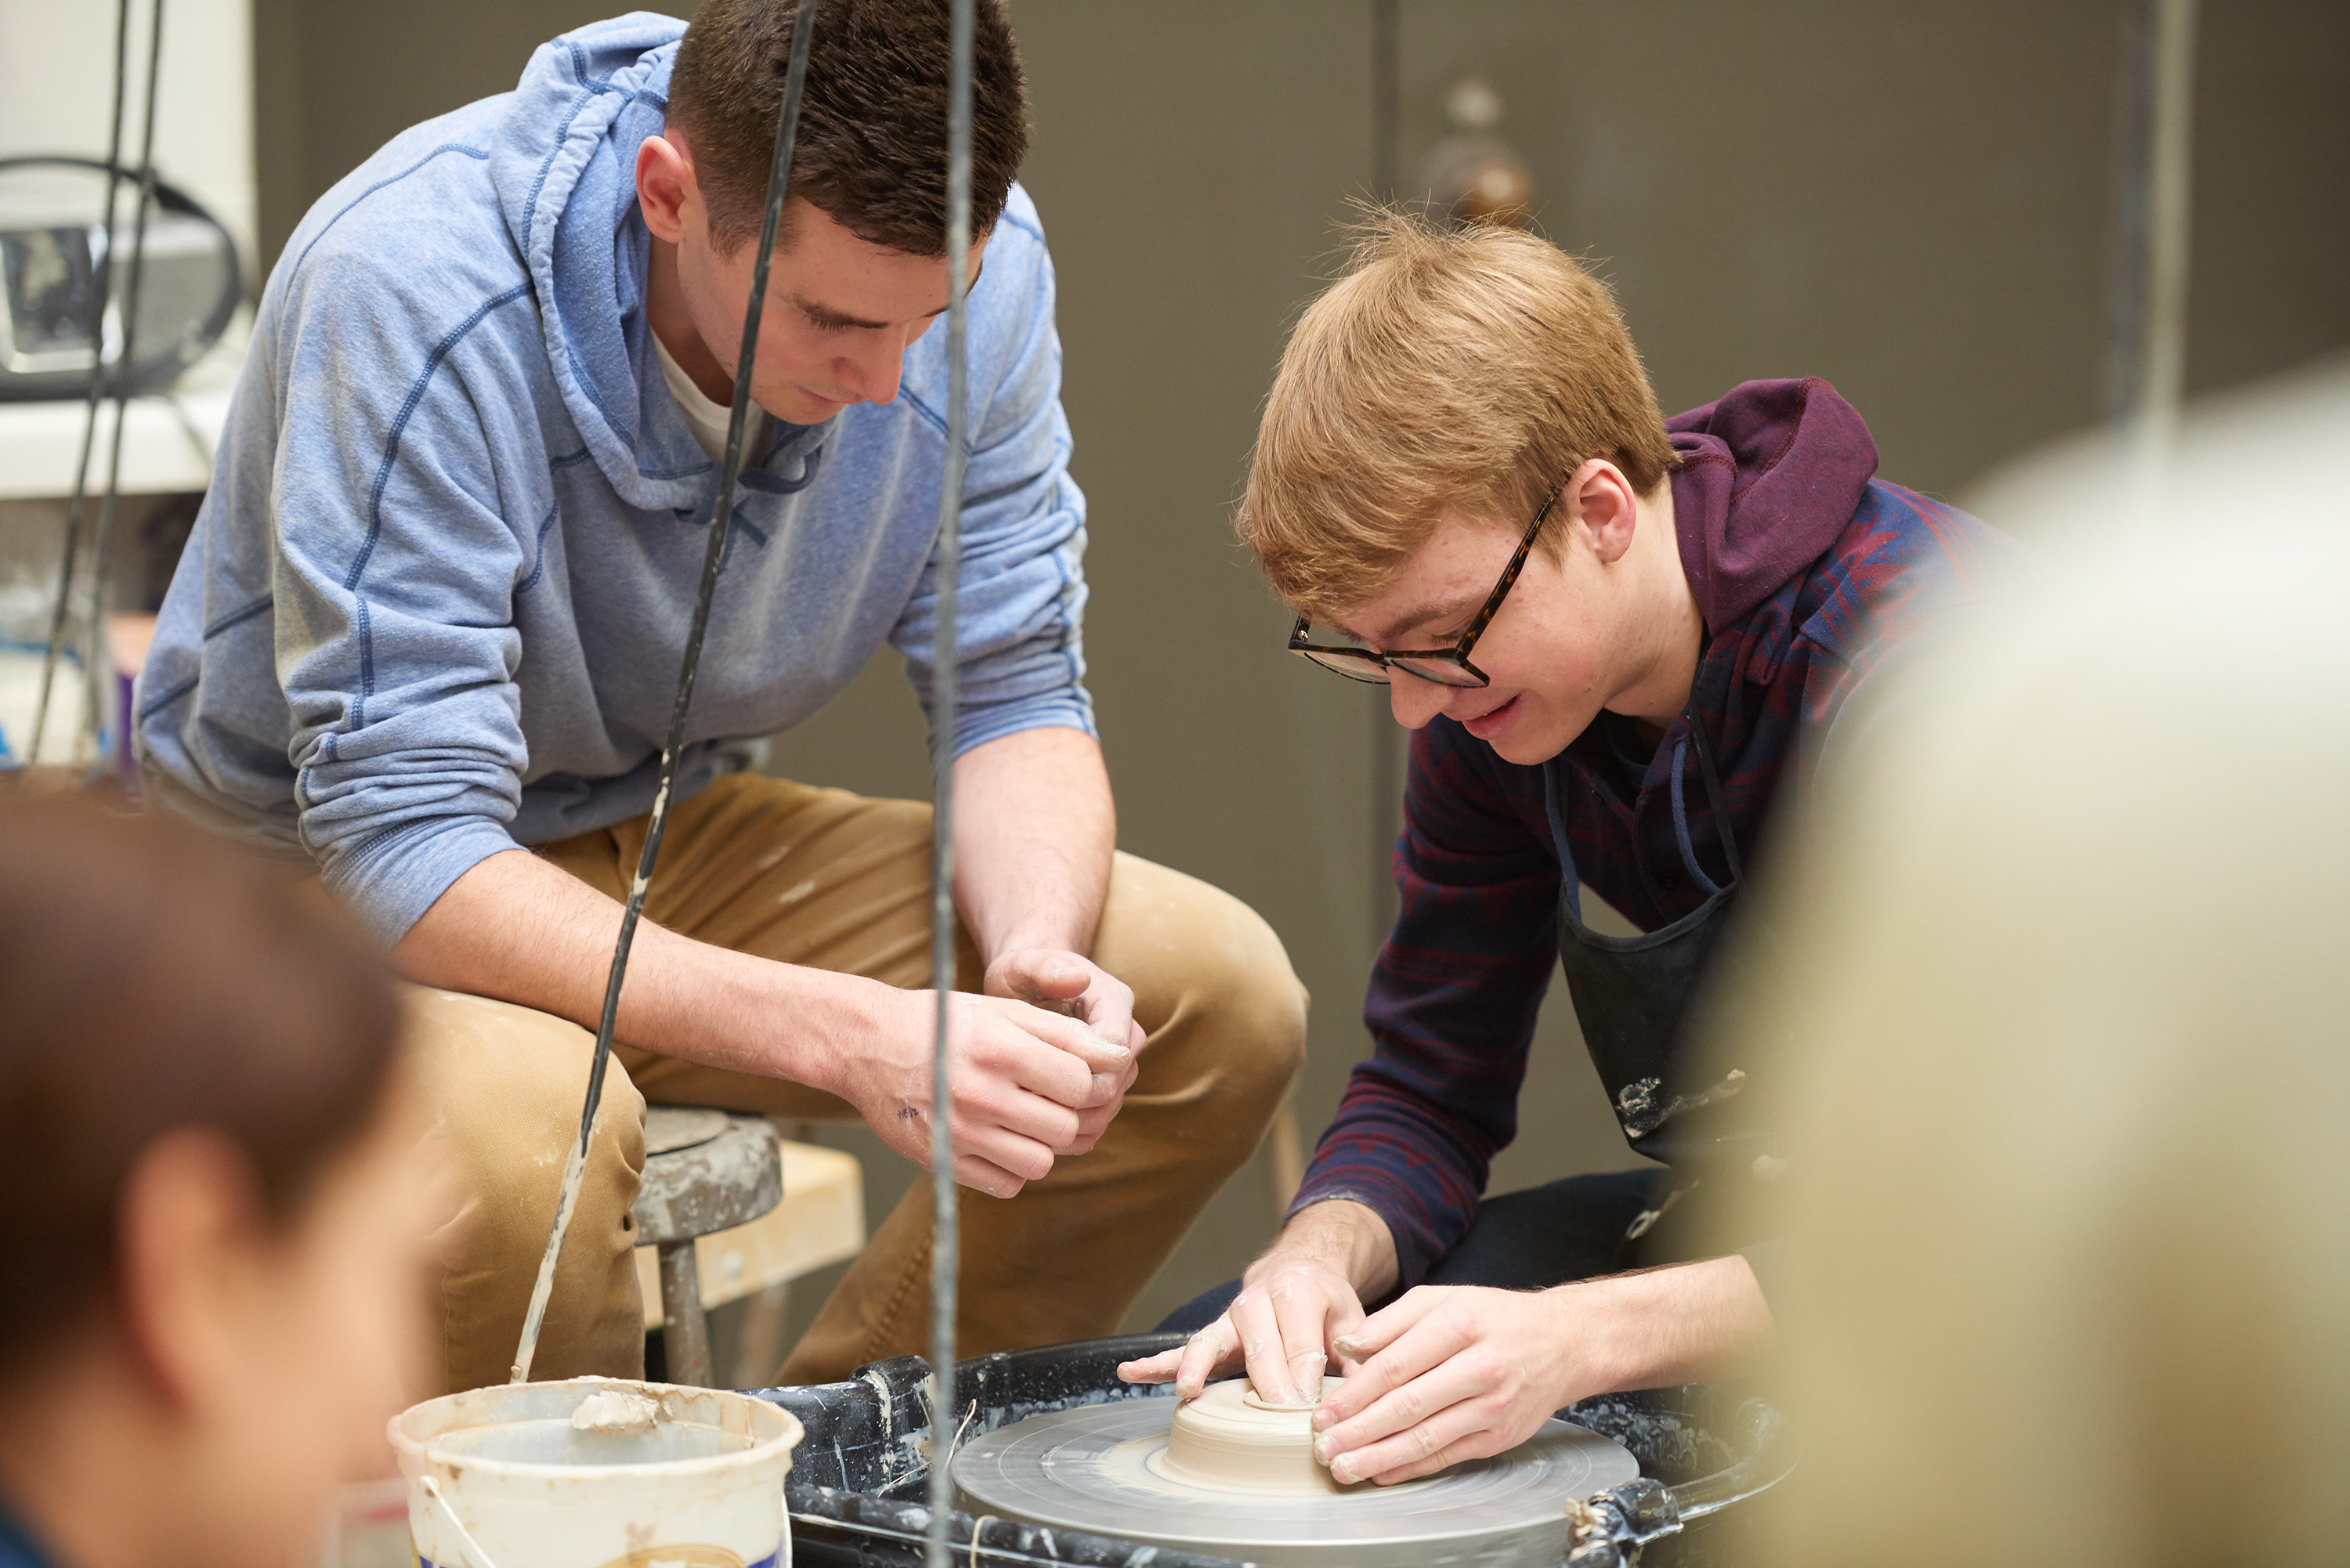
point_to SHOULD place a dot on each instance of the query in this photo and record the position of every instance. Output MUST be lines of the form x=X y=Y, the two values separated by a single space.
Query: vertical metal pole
x=1387 y=743
x=99 y=666
x=101 y=285
x=713 y=555
x=1387 y=100
x=946 y=1239
x=2147 y=324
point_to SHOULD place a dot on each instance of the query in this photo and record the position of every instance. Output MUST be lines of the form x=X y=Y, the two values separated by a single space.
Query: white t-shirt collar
x=708 y=420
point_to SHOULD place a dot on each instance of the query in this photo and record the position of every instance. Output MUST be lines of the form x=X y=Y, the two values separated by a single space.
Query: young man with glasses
x=1621 y=643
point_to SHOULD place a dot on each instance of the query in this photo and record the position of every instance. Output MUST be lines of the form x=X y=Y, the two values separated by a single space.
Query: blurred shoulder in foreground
x=2066 y=1280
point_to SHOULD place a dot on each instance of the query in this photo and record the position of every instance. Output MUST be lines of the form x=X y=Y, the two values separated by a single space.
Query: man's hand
x=1034 y=835
x=1297 y=1301
x=1455 y=1373
x=1065 y=983
x=1279 y=1329
x=1026 y=1084
x=1447 y=1373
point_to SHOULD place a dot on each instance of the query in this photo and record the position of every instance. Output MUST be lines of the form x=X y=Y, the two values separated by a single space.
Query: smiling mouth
x=1491 y=720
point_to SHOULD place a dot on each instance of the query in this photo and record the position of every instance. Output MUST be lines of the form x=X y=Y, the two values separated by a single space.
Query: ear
x=665 y=186
x=189 y=1230
x=1601 y=498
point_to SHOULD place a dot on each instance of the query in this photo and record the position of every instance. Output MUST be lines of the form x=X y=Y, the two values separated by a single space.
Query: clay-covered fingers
x=1067 y=984
x=1048 y=977
x=1446 y=1373
x=1372 y=1373
x=1022 y=1081
x=1008 y=1114
x=1277 y=1329
x=1465 y=1420
x=1104 y=1067
x=1158 y=1368
x=1107 y=1007
x=1309 y=1305
x=1443 y=1380
x=1213 y=1350
x=1044 y=1053
x=1286 y=1320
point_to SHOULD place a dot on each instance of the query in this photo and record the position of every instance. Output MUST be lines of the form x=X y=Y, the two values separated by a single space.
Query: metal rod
x=2147 y=324
x=100 y=663
x=713 y=555
x=1387 y=100
x=100 y=284
x=946 y=1239
x=1388 y=759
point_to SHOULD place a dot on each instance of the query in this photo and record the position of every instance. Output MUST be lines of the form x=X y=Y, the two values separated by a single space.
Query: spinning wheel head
x=1104 y=1469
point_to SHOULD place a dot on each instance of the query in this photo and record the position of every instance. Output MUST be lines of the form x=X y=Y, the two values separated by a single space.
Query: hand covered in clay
x=1449 y=1373
x=1446 y=1372
x=1280 y=1328
x=1027 y=1084
x=1067 y=983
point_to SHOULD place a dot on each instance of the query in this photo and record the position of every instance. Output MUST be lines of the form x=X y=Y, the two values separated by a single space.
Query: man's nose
x=1414 y=702
x=876 y=367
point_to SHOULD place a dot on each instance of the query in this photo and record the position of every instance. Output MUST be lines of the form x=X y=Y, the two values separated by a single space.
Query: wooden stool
x=705 y=1171
x=819 y=1223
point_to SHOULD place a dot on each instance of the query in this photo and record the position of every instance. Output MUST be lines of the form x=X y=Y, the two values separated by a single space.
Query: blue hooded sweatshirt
x=436 y=600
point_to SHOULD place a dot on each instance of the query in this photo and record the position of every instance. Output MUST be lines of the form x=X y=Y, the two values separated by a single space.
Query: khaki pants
x=829 y=879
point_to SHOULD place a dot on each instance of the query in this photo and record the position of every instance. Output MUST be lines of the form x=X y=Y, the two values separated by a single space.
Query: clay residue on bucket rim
x=616 y=1412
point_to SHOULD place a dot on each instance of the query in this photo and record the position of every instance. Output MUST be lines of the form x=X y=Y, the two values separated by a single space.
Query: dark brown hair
x=153 y=978
x=871 y=149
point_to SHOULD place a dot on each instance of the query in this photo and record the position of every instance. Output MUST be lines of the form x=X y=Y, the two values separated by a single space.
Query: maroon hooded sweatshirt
x=1808 y=571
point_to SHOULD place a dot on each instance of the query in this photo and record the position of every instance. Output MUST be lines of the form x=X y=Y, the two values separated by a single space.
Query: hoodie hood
x=1771 y=473
x=564 y=162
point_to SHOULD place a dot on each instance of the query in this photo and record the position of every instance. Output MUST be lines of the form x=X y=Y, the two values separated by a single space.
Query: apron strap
x=1680 y=825
x=1715 y=807
x=1722 y=827
x=1558 y=839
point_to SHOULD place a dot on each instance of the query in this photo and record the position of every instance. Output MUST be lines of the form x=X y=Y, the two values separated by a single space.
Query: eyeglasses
x=1444 y=665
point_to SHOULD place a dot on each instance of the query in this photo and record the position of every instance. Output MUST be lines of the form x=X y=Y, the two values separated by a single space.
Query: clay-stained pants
x=833 y=880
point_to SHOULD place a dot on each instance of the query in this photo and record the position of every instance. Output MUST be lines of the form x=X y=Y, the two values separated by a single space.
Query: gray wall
x=1911 y=200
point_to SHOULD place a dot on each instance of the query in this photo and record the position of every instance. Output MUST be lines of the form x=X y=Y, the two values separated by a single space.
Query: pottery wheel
x=1100 y=1468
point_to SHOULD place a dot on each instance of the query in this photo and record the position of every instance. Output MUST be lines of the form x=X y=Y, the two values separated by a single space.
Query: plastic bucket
x=502 y=1477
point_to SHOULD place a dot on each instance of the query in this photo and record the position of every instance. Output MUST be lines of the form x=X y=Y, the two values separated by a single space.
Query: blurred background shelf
x=168 y=439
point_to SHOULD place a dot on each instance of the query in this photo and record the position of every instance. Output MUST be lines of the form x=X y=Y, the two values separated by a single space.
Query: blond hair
x=1472 y=370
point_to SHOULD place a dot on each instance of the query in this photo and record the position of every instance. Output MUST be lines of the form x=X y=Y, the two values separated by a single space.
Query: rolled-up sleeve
x=394 y=579
x=1020 y=653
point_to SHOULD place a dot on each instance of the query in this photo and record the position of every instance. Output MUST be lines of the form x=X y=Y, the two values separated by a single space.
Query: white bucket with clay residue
x=597 y=1473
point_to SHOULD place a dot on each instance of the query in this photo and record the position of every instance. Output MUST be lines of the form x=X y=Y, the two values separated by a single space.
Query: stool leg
x=761 y=1352
x=685 y=1332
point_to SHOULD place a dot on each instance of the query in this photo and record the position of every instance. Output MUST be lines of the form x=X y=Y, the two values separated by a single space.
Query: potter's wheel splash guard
x=857 y=1488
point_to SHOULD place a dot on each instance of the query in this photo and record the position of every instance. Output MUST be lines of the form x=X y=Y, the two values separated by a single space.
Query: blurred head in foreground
x=211 y=1302
x=2069 y=1281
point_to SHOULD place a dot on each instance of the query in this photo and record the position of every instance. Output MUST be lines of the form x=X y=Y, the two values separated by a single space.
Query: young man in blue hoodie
x=1622 y=643
x=428 y=628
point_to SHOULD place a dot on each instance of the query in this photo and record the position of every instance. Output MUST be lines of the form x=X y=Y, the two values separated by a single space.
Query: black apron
x=1633 y=995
